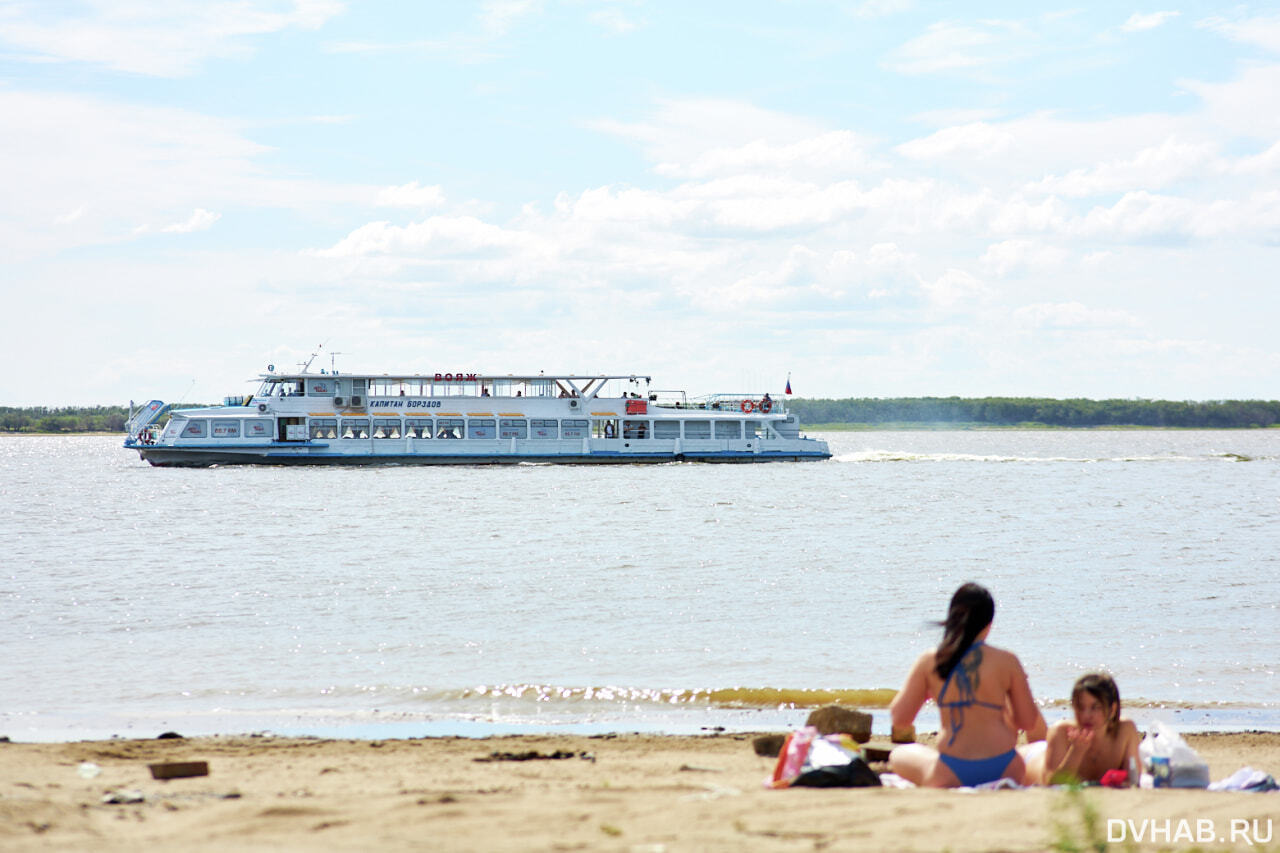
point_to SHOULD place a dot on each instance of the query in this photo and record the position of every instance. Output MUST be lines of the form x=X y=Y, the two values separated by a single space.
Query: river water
x=404 y=601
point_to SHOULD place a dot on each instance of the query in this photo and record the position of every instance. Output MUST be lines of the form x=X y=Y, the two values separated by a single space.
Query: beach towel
x=1246 y=779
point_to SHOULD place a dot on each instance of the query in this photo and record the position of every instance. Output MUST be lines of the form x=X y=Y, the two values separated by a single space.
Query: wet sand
x=637 y=793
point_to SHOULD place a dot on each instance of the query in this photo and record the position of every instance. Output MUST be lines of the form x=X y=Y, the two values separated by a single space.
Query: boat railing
x=742 y=403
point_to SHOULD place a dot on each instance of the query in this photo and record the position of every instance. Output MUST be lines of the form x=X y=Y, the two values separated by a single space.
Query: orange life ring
x=766 y=406
x=748 y=407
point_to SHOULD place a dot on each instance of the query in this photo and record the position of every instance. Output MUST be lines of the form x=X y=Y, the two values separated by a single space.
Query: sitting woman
x=1098 y=741
x=983 y=701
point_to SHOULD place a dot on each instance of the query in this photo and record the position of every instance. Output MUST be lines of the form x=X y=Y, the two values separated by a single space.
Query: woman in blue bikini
x=983 y=701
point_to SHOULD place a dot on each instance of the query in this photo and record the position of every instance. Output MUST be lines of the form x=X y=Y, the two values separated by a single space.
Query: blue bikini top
x=955 y=708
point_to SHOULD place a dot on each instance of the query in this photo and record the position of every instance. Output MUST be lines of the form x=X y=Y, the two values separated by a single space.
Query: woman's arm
x=1026 y=713
x=915 y=691
x=1067 y=747
x=1132 y=762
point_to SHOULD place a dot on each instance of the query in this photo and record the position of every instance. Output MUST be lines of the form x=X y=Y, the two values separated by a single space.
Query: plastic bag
x=809 y=759
x=1169 y=761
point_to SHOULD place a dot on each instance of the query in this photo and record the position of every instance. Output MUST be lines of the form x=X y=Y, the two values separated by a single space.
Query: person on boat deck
x=983 y=700
x=1098 y=741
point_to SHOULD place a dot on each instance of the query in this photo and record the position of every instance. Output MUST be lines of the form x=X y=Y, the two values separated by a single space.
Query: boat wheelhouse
x=467 y=418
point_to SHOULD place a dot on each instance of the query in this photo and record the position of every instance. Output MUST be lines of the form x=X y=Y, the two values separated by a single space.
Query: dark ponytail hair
x=1102 y=687
x=971 y=610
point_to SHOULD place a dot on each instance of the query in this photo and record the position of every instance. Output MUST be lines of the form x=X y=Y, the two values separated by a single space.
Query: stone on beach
x=837 y=719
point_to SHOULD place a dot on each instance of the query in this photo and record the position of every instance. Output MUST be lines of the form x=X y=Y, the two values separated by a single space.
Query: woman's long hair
x=1102 y=687
x=971 y=610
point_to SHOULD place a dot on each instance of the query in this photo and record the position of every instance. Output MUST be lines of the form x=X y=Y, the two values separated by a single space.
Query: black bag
x=855 y=774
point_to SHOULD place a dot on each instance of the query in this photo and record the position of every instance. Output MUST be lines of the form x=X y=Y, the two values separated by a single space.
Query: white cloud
x=1071 y=315
x=106 y=165
x=947 y=47
x=953 y=289
x=439 y=235
x=71 y=215
x=980 y=139
x=1247 y=105
x=615 y=21
x=200 y=220
x=1151 y=168
x=165 y=40
x=1013 y=256
x=837 y=152
x=882 y=8
x=1138 y=21
x=682 y=130
x=1263 y=32
x=500 y=16
x=412 y=194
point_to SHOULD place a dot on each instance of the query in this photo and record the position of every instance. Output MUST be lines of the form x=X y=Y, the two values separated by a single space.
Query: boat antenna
x=183 y=398
x=306 y=366
x=333 y=362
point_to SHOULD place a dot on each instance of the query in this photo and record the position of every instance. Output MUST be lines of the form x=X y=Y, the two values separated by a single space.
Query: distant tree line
x=67 y=419
x=993 y=411
x=1011 y=411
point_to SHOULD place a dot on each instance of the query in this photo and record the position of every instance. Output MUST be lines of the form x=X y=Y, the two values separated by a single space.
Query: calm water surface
x=419 y=600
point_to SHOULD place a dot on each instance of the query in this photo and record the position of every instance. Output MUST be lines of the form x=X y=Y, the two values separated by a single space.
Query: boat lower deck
x=203 y=458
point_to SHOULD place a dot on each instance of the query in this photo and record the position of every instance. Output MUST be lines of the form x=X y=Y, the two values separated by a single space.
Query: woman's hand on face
x=1080 y=737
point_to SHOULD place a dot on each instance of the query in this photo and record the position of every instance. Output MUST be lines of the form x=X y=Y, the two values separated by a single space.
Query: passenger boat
x=333 y=418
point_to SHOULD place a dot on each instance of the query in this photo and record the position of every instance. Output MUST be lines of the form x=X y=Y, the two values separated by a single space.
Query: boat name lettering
x=405 y=404
x=457 y=377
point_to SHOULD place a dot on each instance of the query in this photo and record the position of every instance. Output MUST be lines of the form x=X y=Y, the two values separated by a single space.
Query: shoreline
x=631 y=792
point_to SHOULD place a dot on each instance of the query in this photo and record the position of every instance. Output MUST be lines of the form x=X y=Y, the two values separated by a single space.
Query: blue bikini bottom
x=972 y=772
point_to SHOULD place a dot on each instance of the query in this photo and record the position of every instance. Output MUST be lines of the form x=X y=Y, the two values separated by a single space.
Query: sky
x=876 y=198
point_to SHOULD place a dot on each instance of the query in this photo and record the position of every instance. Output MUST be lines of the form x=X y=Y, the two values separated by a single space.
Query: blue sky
x=879 y=197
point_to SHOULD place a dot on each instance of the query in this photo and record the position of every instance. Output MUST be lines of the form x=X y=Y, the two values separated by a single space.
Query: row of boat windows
x=480 y=428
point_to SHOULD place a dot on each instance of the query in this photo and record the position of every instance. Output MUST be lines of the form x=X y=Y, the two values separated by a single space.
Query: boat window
x=386 y=427
x=195 y=428
x=257 y=428
x=320 y=387
x=417 y=427
x=543 y=428
x=226 y=429
x=481 y=428
x=174 y=427
x=324 y=428
x=666 y=429
x=755 y=429
x=574 y=428
x=513 y=428
x=604 y=428
x=635 y=429
x=448 y=427
x=728 y=429
x=697 y=429
x=355 y=428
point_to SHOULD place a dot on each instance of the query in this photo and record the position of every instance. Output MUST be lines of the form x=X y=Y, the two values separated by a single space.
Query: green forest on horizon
x=1038 y=411
x=852 y=411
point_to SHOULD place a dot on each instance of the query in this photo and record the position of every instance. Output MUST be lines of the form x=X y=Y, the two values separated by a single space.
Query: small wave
x=905 y=456
x=725 y=697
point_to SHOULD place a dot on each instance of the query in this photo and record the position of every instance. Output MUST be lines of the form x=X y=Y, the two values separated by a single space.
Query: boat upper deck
x=361 y=390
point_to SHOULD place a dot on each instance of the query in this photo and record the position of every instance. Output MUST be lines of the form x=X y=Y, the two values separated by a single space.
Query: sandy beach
x=629 y=792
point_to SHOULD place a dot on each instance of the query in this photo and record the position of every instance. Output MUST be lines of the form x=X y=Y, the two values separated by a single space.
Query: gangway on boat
x=143 y=418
